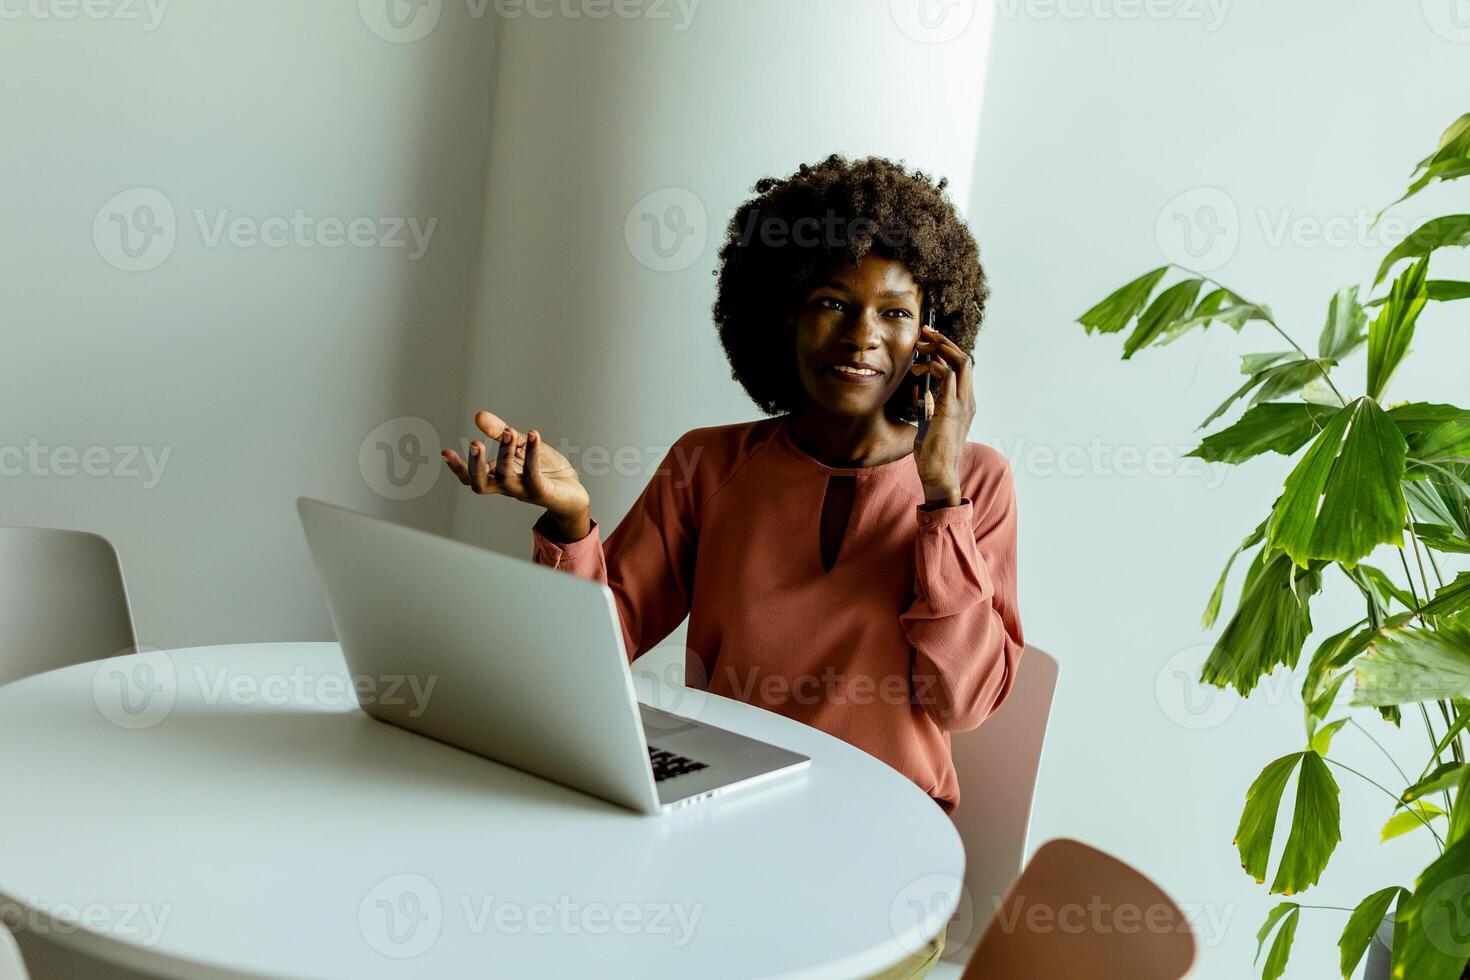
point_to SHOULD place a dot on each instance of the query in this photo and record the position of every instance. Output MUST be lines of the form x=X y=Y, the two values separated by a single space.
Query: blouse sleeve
x=964 y=624
x=648 y=561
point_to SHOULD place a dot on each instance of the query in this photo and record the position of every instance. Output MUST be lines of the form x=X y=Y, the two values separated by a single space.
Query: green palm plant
x=1369 y=474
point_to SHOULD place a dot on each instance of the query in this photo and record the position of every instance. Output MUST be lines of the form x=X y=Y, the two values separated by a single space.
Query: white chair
x=11 y=966
x=1076 y=912
x=62 y=601
x=998 y=765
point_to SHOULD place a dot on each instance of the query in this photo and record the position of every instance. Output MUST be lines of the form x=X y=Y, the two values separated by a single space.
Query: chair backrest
x=1076 y=912
x=997 y=765
x=62 y=601
x=11 y=965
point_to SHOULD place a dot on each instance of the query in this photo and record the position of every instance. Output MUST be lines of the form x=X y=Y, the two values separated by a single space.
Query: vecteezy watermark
x=137 y=230
x=144 y=463
x=1450 y=19
x=679 y=12
x=835 y=687
x=1209 y=13
x=147 y=13
x=932 y=21
x=399 y=459
x=1199 y=229
x=567 y=916
x=138 y=922
x=406 y=21
x=675 y=679
x=930 y=903
x=301 y=688
x=830 y=231
x=1202 y=228
x=140 y=691
x=677 y=462
x=1358 y=229
x=667 y=230
x=1208 y=922
x=1186 y=700
x=935 y=901
x=403 y=916
x=1196 y=705
x=671 y=678
x=1446 y=917
x=1098 y=458
x=401 y=21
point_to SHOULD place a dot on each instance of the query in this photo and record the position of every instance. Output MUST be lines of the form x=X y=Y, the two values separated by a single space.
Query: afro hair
x=780 y=242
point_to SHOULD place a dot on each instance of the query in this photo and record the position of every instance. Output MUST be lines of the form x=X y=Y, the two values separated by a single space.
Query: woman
x=835 y=566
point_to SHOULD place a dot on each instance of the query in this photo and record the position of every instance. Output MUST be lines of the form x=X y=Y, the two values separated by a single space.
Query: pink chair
x=1076 y=912
x=998 y=765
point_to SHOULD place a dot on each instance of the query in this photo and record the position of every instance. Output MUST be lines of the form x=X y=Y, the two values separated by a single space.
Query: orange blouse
x=913 y=633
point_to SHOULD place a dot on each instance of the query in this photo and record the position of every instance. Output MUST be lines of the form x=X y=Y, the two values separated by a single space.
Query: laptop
x=527 y=666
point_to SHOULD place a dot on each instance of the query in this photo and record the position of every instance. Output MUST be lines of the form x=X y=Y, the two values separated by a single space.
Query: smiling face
x=855 y=335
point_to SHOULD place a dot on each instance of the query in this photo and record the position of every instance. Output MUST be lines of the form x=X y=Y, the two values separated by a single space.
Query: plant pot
x=1380 y=953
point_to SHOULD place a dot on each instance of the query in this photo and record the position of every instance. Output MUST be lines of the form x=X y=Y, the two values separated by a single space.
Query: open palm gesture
x=524 y=468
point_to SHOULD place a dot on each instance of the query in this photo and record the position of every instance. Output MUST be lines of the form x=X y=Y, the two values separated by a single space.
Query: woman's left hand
x=952 y=397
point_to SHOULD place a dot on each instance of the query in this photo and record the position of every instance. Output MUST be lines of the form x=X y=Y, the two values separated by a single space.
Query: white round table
x=228 y=811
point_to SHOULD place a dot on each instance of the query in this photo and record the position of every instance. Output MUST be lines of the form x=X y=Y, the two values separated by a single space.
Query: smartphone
x=924 y=380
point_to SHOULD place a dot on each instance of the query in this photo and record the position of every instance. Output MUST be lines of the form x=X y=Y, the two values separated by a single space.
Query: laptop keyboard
x=667 y=765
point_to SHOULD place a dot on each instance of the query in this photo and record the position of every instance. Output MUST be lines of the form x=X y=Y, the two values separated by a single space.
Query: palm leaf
x=1405 y=821
x=1270 y=624
x=1445 y=776
x=1315 y=828
x=1287 y=913
x=1123 y=304
x=1393 y=328
x=1450 y=160
x=1363 y=924
x=1345 y=496
x=1218 y=306
x=1432 y=937
x=1438 y=291
x=1450 y=231
x=1172 y=305
x=1258 y=819
x=1410 y=666
x=1345 y=327
x=1277 y=427
x=1212 y=608
x=1276 y=379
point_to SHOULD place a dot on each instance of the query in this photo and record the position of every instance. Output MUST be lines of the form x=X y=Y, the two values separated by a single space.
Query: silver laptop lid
x=527 y=664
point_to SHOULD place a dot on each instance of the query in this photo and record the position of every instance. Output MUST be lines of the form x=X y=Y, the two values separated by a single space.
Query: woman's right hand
x=527 y=469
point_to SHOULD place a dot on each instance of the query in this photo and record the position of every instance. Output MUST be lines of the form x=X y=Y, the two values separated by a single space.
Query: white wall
x=263 y=371
x=259 y=370
x=582 y=329
x=1091 y=126
x=1309 y=112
